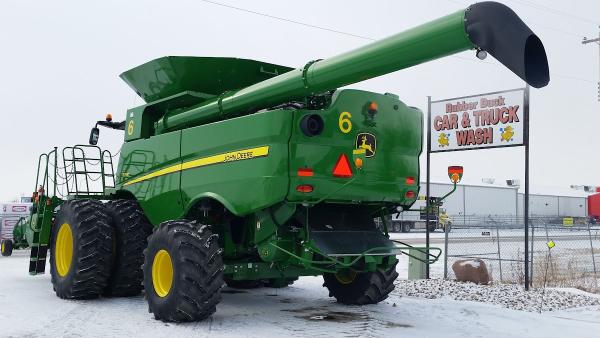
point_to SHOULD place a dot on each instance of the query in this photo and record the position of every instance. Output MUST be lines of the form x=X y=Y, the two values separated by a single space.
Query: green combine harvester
x=252 y=174
x=19 y=240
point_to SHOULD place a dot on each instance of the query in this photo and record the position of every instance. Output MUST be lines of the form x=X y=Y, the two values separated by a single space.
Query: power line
x=305 y=24
x=288 y=20
x=331 y=30
x=548 y=9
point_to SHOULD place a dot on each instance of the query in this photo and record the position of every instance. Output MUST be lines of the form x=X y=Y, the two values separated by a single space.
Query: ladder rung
x=83 y=159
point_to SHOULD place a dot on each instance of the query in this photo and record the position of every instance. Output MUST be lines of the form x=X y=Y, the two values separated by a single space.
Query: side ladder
x=42 y=212
x=86 y=172
x=41 y=225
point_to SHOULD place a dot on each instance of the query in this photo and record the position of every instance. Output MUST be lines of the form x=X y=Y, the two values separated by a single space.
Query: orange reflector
x=358 y=162
x=410 y=194
x=304 y=188
x=373 y=106
x=305 y=172
x=342 y=167
x=108 y=117
x=410 y=180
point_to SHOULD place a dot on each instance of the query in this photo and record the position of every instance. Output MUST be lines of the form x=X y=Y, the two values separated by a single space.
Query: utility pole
x=597 y=41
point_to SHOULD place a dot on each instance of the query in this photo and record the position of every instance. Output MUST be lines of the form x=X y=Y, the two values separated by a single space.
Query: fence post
x=549 y=256
x=445 y=251
x=593 y=258
x=499 y=257
x=531 y=266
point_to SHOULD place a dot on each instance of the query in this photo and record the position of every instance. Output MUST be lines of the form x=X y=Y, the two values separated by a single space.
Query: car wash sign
x=480 y=121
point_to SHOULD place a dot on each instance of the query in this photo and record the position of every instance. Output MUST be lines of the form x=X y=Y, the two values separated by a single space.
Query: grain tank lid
x=170 y=75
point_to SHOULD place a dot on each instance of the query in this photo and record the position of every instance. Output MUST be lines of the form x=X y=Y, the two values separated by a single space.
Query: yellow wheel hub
x=162 y=273
x=345 y=276
x=2 y=249
x=64 y=250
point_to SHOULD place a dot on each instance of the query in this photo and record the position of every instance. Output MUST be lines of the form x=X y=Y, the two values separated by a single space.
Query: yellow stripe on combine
x=238 y=155
x=165 y=171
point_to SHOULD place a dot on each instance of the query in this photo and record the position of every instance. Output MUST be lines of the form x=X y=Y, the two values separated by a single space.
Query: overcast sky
x=61 y=61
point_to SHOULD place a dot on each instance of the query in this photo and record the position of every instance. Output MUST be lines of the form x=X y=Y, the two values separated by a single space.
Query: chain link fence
x=564 y=252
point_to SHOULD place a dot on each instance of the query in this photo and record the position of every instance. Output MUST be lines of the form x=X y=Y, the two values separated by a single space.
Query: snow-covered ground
x=510 y=296
x=28 y=307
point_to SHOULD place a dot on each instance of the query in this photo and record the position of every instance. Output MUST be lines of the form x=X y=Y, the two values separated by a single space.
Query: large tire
x=131 y=230
x=81 y=250
x=6 y=247
x=361 y=288
x=183 y=271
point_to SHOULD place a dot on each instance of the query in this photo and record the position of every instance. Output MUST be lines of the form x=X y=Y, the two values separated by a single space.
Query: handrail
x=330 y=258
x=49 y=179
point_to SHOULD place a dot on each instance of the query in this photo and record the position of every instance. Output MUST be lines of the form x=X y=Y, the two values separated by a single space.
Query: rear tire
x=361 y=288
x=183 y=271
x=131 y=230
x=6 y=247
x=81 y=251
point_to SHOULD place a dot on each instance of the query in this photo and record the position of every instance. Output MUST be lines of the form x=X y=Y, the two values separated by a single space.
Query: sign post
x=428 y=178
x=483 y=121
x=526 y=197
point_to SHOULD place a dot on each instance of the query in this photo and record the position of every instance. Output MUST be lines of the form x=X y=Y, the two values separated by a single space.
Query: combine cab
x=253 y=174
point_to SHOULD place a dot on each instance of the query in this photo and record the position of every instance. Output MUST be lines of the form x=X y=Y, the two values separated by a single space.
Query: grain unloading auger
x=254 y=174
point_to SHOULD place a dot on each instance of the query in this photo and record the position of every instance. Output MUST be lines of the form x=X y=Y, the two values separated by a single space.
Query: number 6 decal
x=345 y=123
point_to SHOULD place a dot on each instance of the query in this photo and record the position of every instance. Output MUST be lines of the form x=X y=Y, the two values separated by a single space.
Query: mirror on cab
x=94 y=136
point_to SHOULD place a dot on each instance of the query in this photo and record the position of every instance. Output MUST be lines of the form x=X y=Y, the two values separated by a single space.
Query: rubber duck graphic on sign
x=507 y=134
x=443 y=140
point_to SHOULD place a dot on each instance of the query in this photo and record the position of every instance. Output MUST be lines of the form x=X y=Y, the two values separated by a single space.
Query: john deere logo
x=368 y=142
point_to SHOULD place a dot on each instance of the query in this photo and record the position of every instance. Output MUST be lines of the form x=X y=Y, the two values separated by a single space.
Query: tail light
x=304 y=188
x=410 y=180
x=305 y=172
x=410 y=194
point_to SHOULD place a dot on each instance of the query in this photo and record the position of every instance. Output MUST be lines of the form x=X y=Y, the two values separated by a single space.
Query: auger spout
x=486 y=27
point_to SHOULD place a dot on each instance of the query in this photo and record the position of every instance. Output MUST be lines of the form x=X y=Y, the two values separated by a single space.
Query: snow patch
x=506 y=295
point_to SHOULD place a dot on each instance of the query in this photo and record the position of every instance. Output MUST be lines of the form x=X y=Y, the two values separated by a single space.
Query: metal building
x=471 y=201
